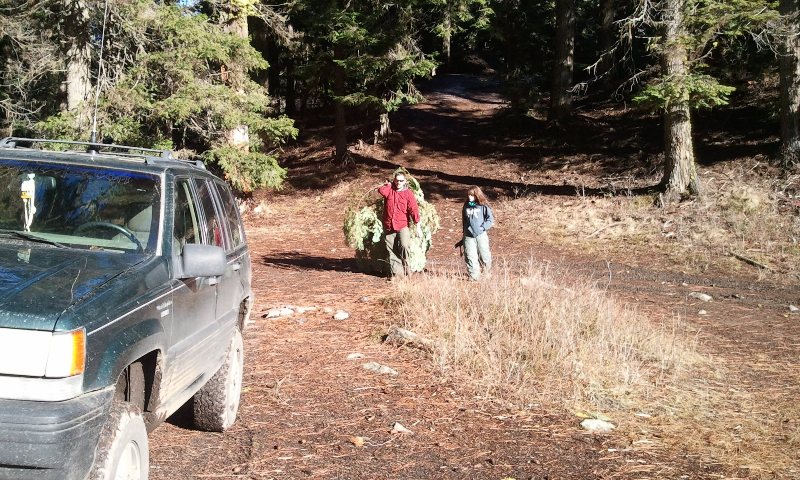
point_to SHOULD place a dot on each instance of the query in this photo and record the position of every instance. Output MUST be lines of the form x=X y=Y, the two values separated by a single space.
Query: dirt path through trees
x=308 y=405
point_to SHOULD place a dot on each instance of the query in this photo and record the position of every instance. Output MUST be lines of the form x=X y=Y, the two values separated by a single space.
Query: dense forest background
x=223 y=80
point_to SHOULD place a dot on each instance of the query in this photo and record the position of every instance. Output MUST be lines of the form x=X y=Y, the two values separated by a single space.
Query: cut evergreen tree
x=363 y=230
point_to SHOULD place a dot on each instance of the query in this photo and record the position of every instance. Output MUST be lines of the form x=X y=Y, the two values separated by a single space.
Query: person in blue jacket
x=477 y=218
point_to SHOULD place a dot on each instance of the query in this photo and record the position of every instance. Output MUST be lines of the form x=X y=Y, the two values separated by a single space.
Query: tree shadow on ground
x=734 y=132
x=439 y=183
x=299 y=261
x=604 y=149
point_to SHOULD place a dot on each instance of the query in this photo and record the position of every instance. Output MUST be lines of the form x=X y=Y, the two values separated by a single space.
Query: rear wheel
x=216 y=404
x=122 y=451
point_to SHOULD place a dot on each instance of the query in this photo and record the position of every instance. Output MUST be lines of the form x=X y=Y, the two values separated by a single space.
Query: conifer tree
x=455 y=17
x=185 y=85
x=362 y=54
x=28 y=62
x=686 y=34
x=563 y=61
x=790 y=82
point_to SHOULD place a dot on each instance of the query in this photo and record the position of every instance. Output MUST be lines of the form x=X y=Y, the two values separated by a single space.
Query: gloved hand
x=459 y=244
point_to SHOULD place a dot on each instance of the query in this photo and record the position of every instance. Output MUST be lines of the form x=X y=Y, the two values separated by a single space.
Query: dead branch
x=751 y=261
x=603 y=228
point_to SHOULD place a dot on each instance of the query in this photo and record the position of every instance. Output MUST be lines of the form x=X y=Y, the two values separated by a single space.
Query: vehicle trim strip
x=170 y=292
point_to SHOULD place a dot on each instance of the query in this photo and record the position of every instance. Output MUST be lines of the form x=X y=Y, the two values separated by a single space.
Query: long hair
x=478 y=194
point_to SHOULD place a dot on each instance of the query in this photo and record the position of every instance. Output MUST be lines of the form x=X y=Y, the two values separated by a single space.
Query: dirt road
x=307 y=404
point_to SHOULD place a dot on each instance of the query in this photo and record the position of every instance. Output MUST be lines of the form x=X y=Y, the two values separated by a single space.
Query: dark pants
x=397 y=243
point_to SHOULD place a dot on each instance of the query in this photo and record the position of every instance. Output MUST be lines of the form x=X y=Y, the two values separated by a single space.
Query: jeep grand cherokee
x=124 y=289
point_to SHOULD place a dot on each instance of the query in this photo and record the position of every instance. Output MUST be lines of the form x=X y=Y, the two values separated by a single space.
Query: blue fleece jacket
x=476 y=219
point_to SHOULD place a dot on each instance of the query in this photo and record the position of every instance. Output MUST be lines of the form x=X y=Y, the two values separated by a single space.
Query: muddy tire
x=122 y=450
x=216 y=404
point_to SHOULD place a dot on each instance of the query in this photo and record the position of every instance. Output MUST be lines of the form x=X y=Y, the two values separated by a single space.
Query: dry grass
x=747 y=211
x=528 y=339
x=525 y=337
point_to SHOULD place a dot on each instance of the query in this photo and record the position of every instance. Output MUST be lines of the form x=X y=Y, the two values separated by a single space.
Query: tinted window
x=187 y=223
x=212 y=226
x=231 y=215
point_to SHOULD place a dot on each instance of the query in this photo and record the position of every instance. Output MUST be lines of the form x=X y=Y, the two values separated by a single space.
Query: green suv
x=125 y=284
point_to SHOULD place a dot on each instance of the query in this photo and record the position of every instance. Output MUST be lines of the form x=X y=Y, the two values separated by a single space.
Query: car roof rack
x=12 y=142
x=148 y=154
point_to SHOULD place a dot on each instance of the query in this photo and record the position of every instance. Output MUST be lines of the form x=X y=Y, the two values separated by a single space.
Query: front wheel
x=122 y=451
x=216 y=404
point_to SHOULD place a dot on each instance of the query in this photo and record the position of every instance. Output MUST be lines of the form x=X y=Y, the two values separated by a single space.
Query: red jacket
x=398 y=206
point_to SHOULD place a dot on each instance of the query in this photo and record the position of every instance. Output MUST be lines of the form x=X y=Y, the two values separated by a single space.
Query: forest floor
x=306 y=408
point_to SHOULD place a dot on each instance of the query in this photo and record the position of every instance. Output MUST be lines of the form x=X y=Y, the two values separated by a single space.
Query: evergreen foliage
x=185 y=75
x=702 y=91
x=372 y=42
x=711 y=27
x=363 y=230
x=185 y=87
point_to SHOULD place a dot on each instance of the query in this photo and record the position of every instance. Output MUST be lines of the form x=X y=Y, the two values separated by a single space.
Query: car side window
x=231 y=215
x=186 y=229
x=212 y=226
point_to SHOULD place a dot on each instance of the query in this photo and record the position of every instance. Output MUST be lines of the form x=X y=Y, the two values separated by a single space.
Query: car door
x=194 y=348
x=236 y=282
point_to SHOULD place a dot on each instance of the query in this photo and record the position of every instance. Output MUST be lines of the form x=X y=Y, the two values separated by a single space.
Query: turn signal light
x=67 y=354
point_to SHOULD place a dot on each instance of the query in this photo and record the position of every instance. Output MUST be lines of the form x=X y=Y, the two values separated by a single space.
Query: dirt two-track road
x=310 y=410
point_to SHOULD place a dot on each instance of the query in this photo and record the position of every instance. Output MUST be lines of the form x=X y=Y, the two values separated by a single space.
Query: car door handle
x=236 y=266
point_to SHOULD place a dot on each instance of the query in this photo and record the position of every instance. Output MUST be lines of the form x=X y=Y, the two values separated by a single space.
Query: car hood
x=37 y=283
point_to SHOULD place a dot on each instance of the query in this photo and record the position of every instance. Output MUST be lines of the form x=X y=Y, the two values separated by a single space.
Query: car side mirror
x=203 y=261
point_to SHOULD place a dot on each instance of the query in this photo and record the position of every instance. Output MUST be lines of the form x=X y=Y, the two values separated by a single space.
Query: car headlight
x=33 y=353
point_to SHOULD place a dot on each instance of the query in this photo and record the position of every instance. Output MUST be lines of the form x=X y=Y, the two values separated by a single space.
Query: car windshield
x=80 y=206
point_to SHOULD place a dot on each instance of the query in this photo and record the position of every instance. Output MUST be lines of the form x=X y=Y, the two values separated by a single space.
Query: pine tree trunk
x=78 y=57
x=340 y=127
x=680 y=172
x=239 y=136
x=606 y=40
x=291 y=92
x=275 y=60
x=790 y=84
x=384 y=129
x=446 y=36
x=606 y=24
x=563 y=64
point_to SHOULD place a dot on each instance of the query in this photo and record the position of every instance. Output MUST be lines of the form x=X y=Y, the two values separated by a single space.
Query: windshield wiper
x=33 y=238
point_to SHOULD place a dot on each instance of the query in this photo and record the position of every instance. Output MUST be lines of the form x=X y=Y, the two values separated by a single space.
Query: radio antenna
x=93 y=137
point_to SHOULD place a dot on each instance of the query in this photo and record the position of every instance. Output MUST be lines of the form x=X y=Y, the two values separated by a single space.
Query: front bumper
x=51 y=440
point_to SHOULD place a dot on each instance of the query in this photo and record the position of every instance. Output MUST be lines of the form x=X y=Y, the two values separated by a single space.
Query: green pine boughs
x=363 y=231
x=362 y=226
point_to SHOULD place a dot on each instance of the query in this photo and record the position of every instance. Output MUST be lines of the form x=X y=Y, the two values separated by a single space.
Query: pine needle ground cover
x=527 y=337
x=363 y=230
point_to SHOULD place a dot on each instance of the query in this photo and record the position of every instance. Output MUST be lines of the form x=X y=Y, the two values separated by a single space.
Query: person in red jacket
x=399 y=207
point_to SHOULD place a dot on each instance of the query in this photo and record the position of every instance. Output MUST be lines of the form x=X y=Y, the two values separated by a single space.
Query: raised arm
x=385 y=189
